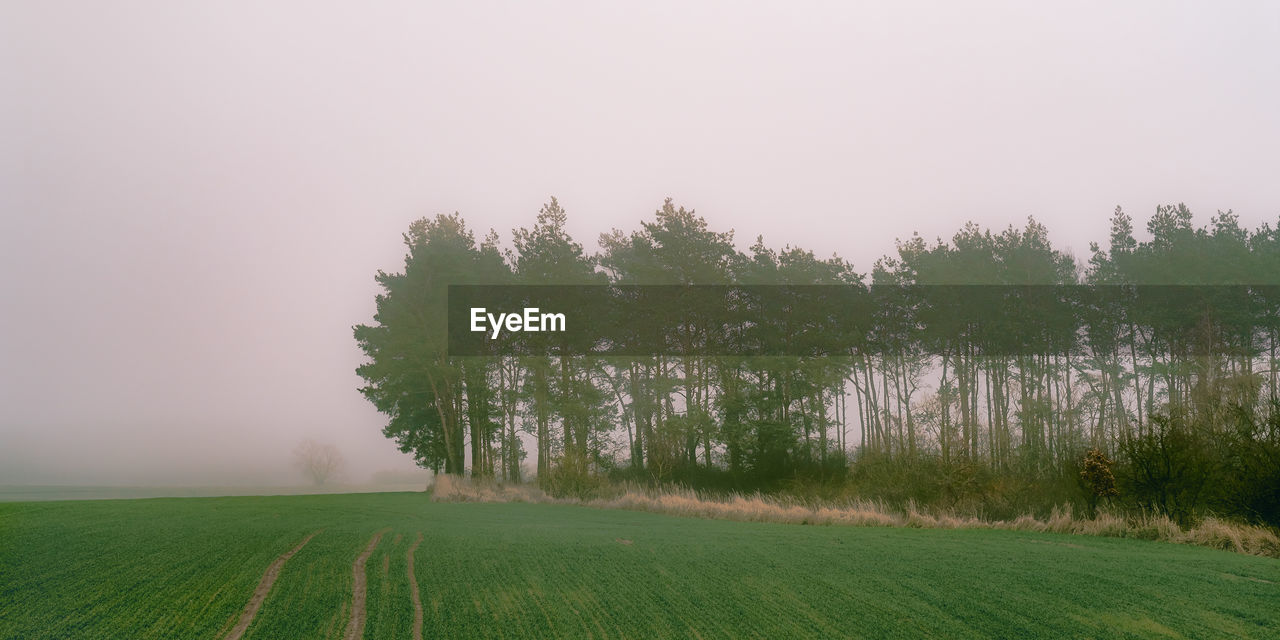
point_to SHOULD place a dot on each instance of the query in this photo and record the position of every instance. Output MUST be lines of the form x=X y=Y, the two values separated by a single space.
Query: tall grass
x=1209 y=532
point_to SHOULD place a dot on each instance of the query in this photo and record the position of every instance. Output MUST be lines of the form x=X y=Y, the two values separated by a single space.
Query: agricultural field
x=219 y=567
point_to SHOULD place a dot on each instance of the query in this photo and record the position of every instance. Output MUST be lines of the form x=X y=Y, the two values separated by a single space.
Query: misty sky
x=195 y=197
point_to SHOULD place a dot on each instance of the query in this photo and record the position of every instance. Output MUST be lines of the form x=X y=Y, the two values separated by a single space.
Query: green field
x=186 y=567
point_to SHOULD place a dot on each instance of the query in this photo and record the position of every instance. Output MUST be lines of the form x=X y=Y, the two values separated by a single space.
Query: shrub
x=572 y=478
x=1096 y=476
x=1167 y=467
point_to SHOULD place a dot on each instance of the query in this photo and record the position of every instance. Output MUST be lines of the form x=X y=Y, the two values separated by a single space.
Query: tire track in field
x=413 y=591
x=355 y=626
x=264 y=587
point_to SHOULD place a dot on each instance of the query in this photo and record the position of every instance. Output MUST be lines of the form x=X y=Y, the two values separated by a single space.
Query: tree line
x=928 y=411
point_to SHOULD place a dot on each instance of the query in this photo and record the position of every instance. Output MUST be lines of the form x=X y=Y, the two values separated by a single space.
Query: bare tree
x=319 y=461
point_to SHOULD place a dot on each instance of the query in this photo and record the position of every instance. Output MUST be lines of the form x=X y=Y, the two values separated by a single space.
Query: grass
x=184 y=568
x=1209 y=532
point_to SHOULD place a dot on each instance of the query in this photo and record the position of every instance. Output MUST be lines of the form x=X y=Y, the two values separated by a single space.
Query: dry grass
x=447 y=488
x=1210 y=532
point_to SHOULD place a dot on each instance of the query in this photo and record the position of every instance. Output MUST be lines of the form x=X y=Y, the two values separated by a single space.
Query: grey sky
x=194 y=197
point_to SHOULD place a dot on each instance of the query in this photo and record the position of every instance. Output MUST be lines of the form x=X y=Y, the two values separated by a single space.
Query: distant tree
x=319 y=461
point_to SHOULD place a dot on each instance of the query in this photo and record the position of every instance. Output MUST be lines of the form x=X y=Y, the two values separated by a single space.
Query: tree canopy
x=1100 y=375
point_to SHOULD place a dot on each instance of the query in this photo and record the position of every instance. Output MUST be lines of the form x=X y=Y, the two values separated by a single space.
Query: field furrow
x=388 y=613
x=264 y=587
x=355 y=626
x=414 y=596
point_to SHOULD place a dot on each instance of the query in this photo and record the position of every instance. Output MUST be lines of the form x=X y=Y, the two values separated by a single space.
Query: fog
x=195 y=197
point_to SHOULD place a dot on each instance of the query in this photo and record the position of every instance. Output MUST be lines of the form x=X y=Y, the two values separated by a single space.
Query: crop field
x=394 y=565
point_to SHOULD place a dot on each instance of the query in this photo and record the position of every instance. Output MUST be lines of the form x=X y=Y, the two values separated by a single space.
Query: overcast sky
x=195 y=197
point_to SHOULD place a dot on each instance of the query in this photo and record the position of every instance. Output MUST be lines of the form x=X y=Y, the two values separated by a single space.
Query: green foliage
x=1248 y=482
x=976 y=398
x=1167 y=467
x=1190 y=466
x=410 y=377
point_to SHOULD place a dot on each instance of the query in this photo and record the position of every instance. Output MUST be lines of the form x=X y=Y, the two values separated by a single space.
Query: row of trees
x=903 y=396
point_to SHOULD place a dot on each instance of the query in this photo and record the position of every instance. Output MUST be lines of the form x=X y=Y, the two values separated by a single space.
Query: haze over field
x=194 y=199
